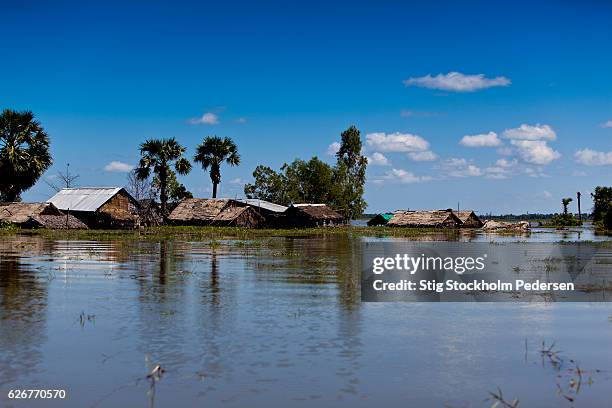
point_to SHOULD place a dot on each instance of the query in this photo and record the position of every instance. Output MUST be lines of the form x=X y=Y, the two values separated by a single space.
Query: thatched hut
x=99 y=207
x=38 y=215
x=239 y=216
x=311 y=215
x=212 y=211
x=380 y=219
x=469 y=219
x=424 y=219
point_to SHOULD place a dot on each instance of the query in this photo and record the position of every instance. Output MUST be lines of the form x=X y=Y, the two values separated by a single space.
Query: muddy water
x=273 y=323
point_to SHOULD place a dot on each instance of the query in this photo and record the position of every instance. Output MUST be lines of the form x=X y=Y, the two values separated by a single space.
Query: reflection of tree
x=23 y=304
x=163 y=327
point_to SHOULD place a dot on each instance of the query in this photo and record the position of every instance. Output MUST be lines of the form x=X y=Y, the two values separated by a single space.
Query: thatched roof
x=423 y=219
x=197 y=210
x=319 y=212
x=44 y=215
x=468 y=217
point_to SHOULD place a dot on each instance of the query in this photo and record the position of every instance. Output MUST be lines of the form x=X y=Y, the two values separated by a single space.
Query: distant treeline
x=534 y=217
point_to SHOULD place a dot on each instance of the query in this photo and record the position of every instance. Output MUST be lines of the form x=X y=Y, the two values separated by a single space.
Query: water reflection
x=23 y=304
x=276 y=322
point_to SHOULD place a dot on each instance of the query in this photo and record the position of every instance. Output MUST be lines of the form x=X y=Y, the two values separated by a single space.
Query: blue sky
x=283 y=80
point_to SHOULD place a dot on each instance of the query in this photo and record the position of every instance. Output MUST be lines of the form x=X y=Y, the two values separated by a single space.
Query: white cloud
x=404 y=177
x=378 y=159
x=118 y=167
x=483 y=140
x=427 y=155
x=529 y=132
x=241 y=120
x=208 y=118
x=591 y=157
x=333 y=148
x=396 y=142
x=506 y=164
x=546 y=194
x=607 y=124
x=455 y=167
x=457 y=82
x=237 y=180
x=535 y=151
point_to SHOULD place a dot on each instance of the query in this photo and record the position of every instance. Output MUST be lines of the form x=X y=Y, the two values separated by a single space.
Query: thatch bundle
x=425 y=219
x=520 y=226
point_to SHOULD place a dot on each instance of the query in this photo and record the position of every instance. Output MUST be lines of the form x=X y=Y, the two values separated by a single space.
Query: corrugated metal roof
x=266 y=205
x=83 y=199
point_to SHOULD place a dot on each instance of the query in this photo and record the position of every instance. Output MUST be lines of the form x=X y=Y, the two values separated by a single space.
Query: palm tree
x=158 y=155
x=565 y=203
x=212 y=152
x=24 y=153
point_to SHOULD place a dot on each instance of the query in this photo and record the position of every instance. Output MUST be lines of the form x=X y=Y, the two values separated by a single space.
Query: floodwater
x=275 y=323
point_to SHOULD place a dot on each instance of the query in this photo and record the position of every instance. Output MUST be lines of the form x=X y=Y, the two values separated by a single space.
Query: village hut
x=273 y=213
x=380 y=219
x=99 y=207
x=239 y=216
x=311 y=215
x=38 y=215
x=469 y=219
x=424 y=219
x=212 y=211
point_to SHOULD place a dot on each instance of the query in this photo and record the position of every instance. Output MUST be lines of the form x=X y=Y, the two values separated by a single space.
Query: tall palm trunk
x=163 y=194
x=215 y=176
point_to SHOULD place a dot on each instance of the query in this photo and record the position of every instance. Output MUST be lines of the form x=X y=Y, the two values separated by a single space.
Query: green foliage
x=315 y=181
x=607 y=219
x=157 y=156
x=350 y=175
x=565 y=202
x=602 y=200
x=564 y=220
x=212 y=152
x=298 y=182
x=24 y=153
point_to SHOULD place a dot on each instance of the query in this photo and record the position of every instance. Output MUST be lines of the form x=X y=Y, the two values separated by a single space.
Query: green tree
x=607 y=219
x=566 y=202
x=24 y=153
x=269 y=185
x=350 y=174
x=602 y=200
x=212 y=152
x=298 y=182
x=158 y=155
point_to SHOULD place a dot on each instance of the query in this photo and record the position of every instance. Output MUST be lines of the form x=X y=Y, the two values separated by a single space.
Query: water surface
x=273 y=323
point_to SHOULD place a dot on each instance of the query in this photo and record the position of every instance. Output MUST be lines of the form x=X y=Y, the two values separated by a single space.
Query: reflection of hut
x=312 y=215
x=99 y=207
x=469 y=219
x=426 y=219
x=38 y=215
x=380 y=219
x=204 y=211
